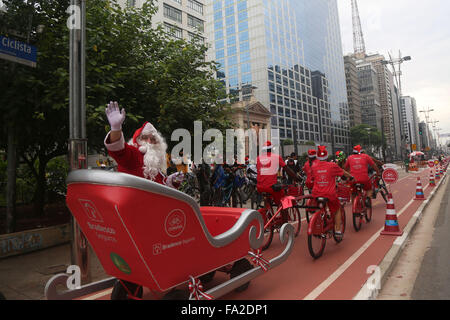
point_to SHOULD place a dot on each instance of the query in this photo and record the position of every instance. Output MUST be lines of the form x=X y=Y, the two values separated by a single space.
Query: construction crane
x=358 y=38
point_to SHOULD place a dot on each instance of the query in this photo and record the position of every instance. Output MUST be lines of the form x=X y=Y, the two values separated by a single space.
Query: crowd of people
x=232 y=184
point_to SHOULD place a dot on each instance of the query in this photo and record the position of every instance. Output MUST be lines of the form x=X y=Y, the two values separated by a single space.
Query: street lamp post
x=368 y=134
x=77 y=125
x=427 y=120
x=398 y=62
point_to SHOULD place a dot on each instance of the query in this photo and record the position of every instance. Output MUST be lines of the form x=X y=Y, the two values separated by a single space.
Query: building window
x=195 y=23
x=177 y=1
x=195 y=5
x=193 y=36
x=172 y=13
x=173 y=30
x=131 y=3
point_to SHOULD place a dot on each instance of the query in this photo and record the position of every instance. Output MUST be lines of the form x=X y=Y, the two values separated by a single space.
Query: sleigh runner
x=149 y=235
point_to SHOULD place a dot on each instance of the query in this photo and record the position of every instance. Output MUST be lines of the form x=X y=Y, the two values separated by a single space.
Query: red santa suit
x=307 y=168
x=130 y=156
x=359 y=167
x=324 y=176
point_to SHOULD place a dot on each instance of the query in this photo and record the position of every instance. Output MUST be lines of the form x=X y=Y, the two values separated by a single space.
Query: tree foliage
x=154 y=77
x=366 y=135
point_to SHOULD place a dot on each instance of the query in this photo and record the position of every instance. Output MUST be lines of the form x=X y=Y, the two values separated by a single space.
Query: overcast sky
x=420 y=29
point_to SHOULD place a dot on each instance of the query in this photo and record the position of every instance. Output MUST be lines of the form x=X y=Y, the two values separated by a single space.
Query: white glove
x=115 y=116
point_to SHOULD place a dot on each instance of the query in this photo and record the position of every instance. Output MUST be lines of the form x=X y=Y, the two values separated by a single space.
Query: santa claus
x=144 y=155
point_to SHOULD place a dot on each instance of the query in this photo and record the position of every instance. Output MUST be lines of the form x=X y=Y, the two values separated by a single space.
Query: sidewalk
x=24 y=277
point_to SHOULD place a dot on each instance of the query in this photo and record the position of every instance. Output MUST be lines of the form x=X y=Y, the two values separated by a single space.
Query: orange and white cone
x=391 y=226
x=432 y=181
x=437 y=176
x=419 y=191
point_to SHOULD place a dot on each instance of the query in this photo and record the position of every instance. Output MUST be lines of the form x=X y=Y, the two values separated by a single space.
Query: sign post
x=77 y=123
x=18 y=51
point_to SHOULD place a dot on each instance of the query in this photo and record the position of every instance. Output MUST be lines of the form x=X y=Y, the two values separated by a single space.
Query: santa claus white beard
x=154 y=159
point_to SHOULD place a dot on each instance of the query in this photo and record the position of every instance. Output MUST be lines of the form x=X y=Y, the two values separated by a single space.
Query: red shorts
x=276 y=195
x=333 y=202
x=367 y=184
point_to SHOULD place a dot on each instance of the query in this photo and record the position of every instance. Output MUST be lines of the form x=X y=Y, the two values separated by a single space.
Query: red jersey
x=307 y=170
x=267 y=166
x=324 y=175
x=359 y=166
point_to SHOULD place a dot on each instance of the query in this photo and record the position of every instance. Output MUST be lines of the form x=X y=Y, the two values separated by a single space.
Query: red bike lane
x=342 y=270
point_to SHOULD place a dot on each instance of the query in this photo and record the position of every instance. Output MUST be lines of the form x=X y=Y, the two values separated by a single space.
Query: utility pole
x=397 y=76
x=77 y=124
x=359 y=45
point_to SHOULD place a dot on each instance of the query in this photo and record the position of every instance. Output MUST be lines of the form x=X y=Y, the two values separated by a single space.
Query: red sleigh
x=149 y=235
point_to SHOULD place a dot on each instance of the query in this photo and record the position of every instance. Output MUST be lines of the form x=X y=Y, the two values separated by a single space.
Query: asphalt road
x=433 y=280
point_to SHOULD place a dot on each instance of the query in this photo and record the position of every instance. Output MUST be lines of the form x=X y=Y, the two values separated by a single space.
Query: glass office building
x=291 y=51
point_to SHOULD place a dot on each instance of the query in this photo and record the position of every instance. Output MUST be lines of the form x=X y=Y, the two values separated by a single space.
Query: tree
x=367 y=136
x=155 y=77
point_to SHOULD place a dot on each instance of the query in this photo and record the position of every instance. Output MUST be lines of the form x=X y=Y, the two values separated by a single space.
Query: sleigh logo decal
x=91 y=211
x=175 y=223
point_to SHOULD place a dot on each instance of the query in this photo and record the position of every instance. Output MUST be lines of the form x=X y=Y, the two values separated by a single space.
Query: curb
x=373 y=285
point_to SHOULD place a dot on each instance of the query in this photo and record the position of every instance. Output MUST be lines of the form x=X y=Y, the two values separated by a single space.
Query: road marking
x=335 y=275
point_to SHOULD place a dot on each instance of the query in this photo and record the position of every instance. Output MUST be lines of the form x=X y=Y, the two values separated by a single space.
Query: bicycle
x=322 y=227
x=361 y=206
x=274 y=221
x=382 y=189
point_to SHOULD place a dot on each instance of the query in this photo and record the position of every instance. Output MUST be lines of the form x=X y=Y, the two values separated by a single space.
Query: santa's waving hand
x=144 y=155
x=115 y=116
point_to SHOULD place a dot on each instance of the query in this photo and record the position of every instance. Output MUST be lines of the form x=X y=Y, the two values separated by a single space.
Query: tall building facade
x=184 y=19
x=291 y=53
x=385 y=96
x=410 y=121
x=353 y=94
x=368 y=88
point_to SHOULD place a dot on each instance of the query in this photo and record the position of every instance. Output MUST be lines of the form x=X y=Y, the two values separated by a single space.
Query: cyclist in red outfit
x=268 y=165
x=312 y=158
x=324 y=175
x=359 y=164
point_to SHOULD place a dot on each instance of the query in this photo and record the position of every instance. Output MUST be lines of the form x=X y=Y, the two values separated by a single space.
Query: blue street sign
x=18 y=51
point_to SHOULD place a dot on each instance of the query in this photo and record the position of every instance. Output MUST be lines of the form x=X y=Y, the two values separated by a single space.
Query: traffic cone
x=437 y=176
x=391 y=227
x=432 y=182
x=419 y=191
x=441 y=171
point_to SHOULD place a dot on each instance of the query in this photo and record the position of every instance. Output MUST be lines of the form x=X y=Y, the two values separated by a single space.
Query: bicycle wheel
x=256 y=200
x=357 y=212
x=317 y=240
x=295 y=220
x=268 y=232
x=368 y=209
x=236 y=199
x=339 y=239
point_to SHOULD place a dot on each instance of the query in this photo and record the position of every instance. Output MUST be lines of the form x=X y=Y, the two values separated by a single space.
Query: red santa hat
x=322 y=153
x=357 y=149
x=146 y=129
x=267 y=146
x=312 y=153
